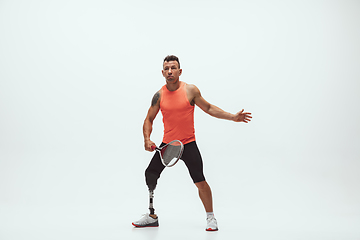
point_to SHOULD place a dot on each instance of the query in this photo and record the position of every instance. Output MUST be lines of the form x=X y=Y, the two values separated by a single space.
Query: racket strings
x=171 y=153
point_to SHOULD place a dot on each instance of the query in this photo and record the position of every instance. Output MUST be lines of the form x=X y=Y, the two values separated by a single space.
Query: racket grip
x=153 y=147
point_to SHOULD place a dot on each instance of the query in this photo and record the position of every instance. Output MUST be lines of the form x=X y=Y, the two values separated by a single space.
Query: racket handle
x=153 y=147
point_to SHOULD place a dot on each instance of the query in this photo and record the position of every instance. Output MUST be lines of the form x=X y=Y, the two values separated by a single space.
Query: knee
x=203 y=185
x=151 y=179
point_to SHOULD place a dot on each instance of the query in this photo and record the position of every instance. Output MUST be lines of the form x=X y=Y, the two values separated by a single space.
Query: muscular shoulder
x=192 y=92
x=192 y=89
x=156 y=98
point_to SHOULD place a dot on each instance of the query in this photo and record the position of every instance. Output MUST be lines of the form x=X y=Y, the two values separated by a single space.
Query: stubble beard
x=172 y=80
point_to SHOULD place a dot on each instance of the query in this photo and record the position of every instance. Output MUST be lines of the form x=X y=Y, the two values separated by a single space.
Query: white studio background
x=77 y=78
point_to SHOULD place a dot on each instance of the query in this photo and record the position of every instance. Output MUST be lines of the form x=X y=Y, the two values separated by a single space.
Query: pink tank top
x=178 y=115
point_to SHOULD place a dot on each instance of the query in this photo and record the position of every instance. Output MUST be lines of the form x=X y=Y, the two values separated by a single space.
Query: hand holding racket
x=170 y=153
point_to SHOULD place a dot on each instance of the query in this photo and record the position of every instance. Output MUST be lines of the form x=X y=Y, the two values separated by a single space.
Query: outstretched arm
x=216 y=111
x=148 y=122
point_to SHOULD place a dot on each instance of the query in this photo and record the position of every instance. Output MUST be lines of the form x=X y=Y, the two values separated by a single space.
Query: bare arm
x=216 y=111
x=148 y=122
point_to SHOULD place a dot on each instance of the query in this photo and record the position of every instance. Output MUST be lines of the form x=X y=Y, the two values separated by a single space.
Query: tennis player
x=177 y=100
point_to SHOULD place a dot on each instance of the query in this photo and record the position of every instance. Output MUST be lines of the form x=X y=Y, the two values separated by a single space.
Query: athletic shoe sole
x=148 y=225
x=211 y=230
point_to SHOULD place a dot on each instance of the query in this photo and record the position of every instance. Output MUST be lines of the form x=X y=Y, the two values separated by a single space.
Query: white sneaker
x=211 y=224
x=146 y=221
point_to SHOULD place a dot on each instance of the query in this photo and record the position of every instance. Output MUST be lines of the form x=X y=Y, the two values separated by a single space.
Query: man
x=177 y=101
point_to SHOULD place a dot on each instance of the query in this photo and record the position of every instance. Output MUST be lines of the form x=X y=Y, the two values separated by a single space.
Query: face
x=171 y=71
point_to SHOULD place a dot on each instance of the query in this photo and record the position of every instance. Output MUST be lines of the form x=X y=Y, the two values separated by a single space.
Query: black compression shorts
x=191 y=157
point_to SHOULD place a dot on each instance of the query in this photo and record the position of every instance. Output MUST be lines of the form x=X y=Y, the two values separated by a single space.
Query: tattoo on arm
x=155 y=99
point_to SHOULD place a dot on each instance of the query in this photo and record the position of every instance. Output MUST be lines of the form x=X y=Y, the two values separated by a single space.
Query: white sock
x=208 y=214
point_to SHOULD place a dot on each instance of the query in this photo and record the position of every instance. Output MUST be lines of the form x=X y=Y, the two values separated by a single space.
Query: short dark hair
x=169 y=58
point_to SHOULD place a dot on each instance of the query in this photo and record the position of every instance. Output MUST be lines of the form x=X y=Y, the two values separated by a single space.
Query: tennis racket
x=170 y=153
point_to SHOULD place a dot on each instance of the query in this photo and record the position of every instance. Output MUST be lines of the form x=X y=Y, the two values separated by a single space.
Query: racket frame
x=161 y=158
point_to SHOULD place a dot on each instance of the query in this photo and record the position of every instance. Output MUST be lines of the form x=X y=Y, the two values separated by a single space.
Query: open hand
x=242 y=117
